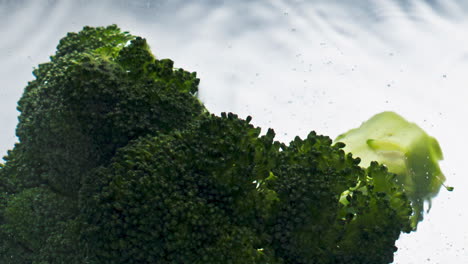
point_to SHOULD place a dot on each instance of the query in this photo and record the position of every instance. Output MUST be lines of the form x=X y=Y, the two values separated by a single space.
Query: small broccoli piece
x=309 y=224
x=376 y=211
x=406 y=150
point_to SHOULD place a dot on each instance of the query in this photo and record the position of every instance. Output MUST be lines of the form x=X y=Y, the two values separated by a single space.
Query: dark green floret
x=102 y=89
x=182 y=197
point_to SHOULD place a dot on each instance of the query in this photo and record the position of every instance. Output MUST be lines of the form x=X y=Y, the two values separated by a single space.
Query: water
x=295 y=66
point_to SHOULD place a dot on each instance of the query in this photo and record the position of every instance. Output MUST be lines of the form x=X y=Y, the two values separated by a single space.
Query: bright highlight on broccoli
x=406 y=150
x=119 y=162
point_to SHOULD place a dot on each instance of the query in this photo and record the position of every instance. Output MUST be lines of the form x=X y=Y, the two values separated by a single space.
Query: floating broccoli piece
x=406 y=150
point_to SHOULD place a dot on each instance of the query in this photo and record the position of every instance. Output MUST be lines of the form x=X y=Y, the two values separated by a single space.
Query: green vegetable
x=406 y=150
x=119 y=162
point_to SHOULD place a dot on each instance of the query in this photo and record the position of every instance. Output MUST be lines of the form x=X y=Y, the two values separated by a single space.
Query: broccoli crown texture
x=102 y=89
x=119 y=162
x=188 y=195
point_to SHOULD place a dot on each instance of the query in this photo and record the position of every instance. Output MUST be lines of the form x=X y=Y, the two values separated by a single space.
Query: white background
x=295 y=66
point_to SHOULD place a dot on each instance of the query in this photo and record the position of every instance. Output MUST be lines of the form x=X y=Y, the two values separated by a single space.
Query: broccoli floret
x=310 y=223
x=406 y=150
x=119 y=162
x=102 y=89
x=183 y=197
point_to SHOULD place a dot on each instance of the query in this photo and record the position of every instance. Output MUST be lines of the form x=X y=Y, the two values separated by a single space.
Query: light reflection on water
x=296 y=66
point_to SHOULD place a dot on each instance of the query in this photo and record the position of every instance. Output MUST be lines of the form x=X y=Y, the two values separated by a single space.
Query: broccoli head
x=119 y=162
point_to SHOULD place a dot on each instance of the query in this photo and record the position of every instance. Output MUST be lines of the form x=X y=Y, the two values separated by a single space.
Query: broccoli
x=118 y=161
